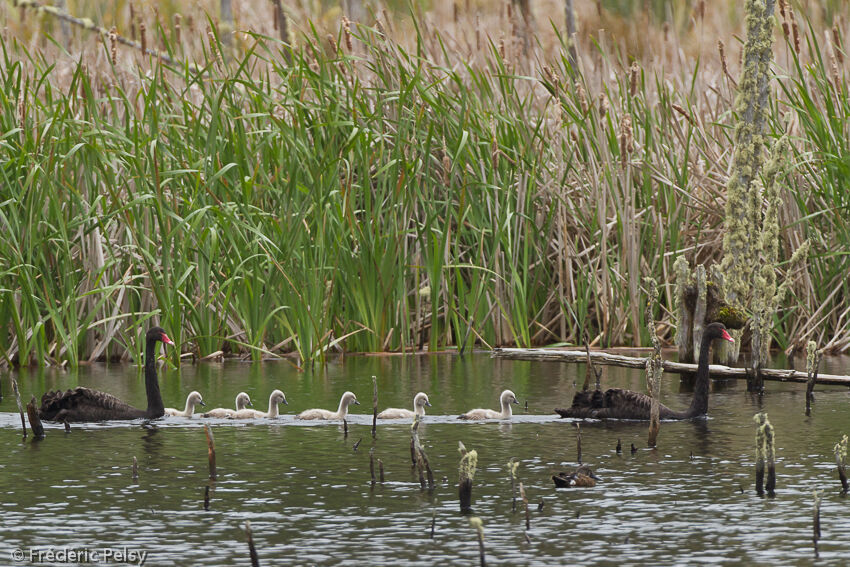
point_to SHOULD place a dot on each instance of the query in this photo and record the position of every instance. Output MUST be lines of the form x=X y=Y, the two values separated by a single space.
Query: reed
x=296 y=200
x=840 y=451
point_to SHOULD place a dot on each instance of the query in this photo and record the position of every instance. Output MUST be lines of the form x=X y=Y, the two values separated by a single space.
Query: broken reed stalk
x=420 y=458
x=525 y=504
x=478 y=526
x=207 y=497
x=344 y=429
x=816 y=520
x=433 y=523
x=210 y=450
x=67 y=426
x=812 y=364
x=255 y=561
x=760 y=450
x=372 y=465
x=654 y=365
x=35 y=421
x=840 y=461
x=356 y=445
x=513 y=465
x=20 y=406
x=770 y=486
x=468 y=465
x=374 y=406
x=135 y=468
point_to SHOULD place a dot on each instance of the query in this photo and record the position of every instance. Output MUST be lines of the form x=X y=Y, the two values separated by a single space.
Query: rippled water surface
x=308 y=496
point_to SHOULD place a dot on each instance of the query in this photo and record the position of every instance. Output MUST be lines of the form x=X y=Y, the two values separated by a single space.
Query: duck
x=347 y=399
x=420 y=401
x=506 y=399
x=192 y=400
x=616 y=403
x=242 y=400
x=84 y=404
x=582 y=477
x=275 y=398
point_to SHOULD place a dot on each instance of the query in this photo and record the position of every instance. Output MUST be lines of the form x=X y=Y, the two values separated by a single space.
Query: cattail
x=113 y=45
x=795 y=30
x=666 y=29
x=346 y=33
x=509 y=13
x=502 y=48
x=456 y=12
x=333 y=44
x=634 y=76
x=380 y=28
x=552 y=78
x=22 y=117
x=836 y=42
x=177 y=27
x=604 y=105
x=213 y=45
x=700 y=11
x=627 y=142
x=722 y=49
x=683 y=112
x=574 y=136
x=132 y=22
x=142 y=37
x=478 y=32
x=447 y=164
x=582 y=98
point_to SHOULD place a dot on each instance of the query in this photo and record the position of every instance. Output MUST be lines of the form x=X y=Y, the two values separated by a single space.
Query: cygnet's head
x=349 y=398
x=508 y=397
x=421 y=400
x=195 y=399
x=243 y=400
x=277 y=397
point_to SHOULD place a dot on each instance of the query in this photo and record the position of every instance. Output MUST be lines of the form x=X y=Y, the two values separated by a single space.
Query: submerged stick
x=374 y=406
x=478 y=526
x=525 y=504
x=67 y=426
x=433 y=523
x=35 y=422
x=619 y=447
x=210 y=450
x=20 y=406
x=356 y=445
x=816 y=520
x=344 y=429
x=255 y=561
x=840 y=460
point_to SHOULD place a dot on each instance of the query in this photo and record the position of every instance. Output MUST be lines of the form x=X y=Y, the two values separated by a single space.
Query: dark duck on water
x=616 y=403
x=84 y=404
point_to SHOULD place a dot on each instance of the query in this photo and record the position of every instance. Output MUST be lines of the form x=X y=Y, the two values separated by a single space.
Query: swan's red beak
x=726 y=336
x=166 y=340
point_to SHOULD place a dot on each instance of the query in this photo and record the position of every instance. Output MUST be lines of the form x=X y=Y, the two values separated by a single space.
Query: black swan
x=84 y=404
x=625 y=404
x=582 y=477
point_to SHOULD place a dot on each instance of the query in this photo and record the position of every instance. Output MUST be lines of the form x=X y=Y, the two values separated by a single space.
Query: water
x=308 y=496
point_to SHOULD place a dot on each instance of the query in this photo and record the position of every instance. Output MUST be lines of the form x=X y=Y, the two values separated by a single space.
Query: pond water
x=308 y=496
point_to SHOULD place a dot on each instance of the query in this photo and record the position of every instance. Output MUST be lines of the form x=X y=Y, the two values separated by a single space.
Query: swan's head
x=195 y=399
x=349 y=398
x=508 y=397
x=421 y=400
x=242 y=400
x=277 y=397
x=158 y=334
x=718 y=330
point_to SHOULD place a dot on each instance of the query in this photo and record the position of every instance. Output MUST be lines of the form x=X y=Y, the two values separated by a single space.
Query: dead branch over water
x=605 y=358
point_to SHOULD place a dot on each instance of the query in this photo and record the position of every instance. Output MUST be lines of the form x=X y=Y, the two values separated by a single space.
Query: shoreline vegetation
x=411 y=181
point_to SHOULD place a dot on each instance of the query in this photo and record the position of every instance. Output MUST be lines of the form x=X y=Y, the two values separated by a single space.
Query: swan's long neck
x=699 y=405
x=273 y=409
x=342 y=411
x=507 y=412
x=155 y=405
x=419 y=410
x=190 y=407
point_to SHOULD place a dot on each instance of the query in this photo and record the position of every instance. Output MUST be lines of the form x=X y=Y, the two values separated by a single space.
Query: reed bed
x=430 y=181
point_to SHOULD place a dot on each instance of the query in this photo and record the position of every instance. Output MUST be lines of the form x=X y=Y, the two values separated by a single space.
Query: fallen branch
x=605 y=358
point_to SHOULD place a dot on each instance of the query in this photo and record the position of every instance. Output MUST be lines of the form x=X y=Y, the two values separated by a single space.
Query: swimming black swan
x=84 y=404
x=625 y=404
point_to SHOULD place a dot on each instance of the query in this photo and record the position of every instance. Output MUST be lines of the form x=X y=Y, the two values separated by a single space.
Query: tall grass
x=389 y=196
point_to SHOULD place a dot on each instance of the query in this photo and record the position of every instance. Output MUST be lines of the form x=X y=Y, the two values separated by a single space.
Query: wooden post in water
x=770 y=451
x=760 y=452
x=35 y=421
x=374 y=406
x=210 y=450
x=255 y=561
x=20 y=406
x=478 y=525
x=468 y=465
x=840 y=461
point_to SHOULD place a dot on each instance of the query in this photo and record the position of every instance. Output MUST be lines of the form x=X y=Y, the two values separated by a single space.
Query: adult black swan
x=84 y=404
x=625 y=404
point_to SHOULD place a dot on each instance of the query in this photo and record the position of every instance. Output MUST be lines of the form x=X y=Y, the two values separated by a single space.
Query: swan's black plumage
x=85 y=404
x=616 y=403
